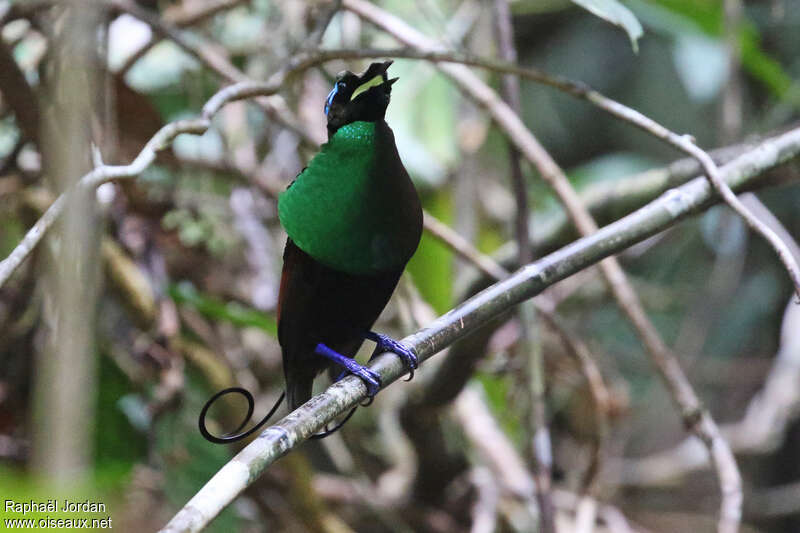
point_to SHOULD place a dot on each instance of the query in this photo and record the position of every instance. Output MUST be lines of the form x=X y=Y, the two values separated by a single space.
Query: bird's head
x=357 y=97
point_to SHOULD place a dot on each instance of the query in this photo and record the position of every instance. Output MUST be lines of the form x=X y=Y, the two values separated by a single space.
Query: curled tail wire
x=235 y=436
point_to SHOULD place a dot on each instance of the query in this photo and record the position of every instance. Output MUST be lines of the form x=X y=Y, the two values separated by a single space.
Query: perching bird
x=354 y=220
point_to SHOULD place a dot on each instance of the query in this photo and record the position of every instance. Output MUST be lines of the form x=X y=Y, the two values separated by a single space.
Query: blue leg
x=370 y=378
x=388 y=344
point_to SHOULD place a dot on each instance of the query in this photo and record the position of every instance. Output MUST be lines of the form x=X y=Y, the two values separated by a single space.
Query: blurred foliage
x=188 y=460
x=431 y=266
x=233 y=312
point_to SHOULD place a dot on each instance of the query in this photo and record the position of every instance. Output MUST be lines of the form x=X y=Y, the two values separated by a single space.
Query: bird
x=353 y=220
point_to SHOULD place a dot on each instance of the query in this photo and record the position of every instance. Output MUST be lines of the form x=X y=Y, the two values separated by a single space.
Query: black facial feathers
x=363 y=97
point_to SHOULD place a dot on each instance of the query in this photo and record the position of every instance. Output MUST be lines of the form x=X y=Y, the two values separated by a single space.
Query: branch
x=527 y=282
x=181 y=17
x=538 y=431
x=463 y=248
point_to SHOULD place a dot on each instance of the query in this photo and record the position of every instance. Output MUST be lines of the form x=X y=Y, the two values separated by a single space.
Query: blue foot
x=388 y=344
x=371 y=379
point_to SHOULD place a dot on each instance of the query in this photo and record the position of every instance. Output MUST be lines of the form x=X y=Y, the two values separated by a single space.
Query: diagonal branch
x=292 y=430
x=181 y=17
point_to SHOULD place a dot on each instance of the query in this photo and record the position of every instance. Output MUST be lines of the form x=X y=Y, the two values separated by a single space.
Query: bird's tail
x=298 y=390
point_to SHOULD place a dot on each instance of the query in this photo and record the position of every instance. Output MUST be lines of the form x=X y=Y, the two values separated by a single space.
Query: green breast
x=342 y=210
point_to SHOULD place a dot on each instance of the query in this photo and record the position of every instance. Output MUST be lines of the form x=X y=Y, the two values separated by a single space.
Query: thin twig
x=182 y=18
x=539 y=433
x=462 y=247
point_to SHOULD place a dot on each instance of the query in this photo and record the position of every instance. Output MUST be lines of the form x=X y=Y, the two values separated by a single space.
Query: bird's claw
x=370 y=378
x=387 y=344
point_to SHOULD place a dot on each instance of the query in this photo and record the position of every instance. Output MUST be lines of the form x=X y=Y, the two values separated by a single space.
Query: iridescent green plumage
x=345 y=208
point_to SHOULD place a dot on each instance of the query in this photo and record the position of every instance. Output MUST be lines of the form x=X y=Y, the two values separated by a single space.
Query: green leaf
x=764 y=68
x=617 y=14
